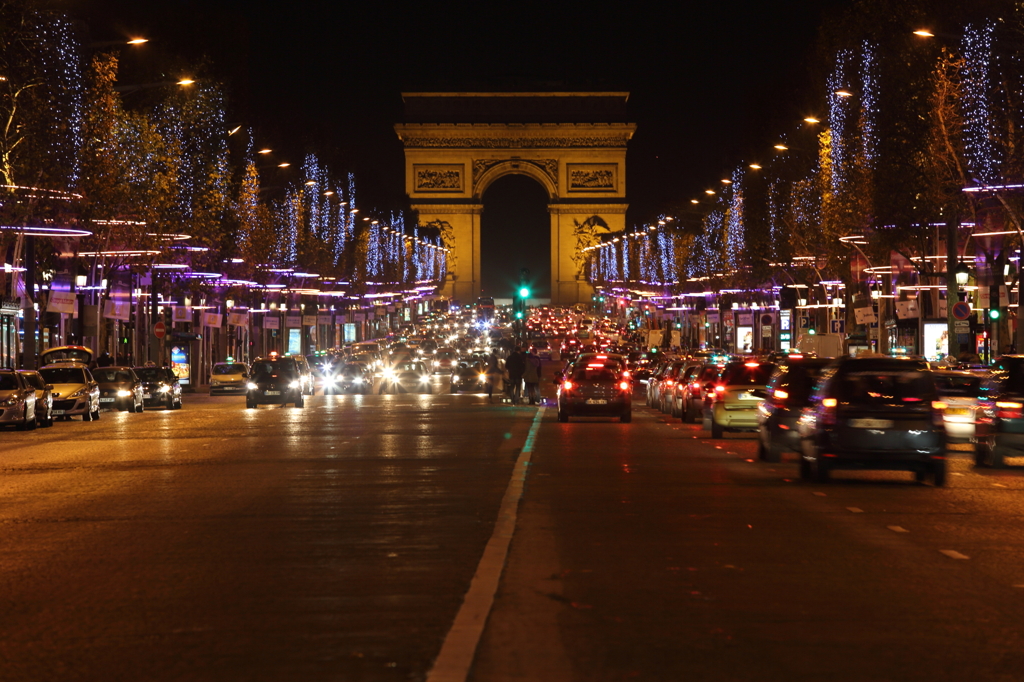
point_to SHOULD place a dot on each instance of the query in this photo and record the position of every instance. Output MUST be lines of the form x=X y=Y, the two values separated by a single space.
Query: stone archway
x=458 y=144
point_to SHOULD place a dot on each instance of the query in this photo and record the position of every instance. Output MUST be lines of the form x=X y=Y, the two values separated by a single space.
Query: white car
x=17 y=401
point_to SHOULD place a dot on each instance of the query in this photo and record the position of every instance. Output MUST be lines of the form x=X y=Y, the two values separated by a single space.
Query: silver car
x=17 y=401
x=75 y=392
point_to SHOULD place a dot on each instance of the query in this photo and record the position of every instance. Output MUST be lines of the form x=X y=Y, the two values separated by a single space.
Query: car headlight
x=251 y=386
x=12 y=400
x=294 y=384
x=389 y=374
x=424 y=379
x=79 y=393
x=357 y=380
x=164 y=388
x=483 y=378
x=123 y=393
x=437 y=363
x=334 y=379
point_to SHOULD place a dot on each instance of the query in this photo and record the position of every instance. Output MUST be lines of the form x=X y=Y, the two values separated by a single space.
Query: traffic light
x=993 y=314
x=524 y=293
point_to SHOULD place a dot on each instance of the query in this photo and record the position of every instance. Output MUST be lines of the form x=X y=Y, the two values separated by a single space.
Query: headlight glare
x=251 y=386
x=123 y=393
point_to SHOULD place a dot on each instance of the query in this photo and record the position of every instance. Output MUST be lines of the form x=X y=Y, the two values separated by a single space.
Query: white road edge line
x=459 y=648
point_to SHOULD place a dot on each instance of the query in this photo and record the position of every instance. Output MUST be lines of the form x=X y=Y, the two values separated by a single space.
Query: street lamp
x=963 y=273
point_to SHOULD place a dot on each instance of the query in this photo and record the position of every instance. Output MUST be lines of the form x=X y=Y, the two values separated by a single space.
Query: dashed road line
x=856 y=510
x=821 y=494
x=953 y=554
x=898 y=529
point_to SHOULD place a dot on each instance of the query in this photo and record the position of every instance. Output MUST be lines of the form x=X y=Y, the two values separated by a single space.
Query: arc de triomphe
x=572 y=143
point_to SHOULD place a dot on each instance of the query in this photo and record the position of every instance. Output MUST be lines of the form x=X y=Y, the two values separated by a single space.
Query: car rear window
x=589 y=373
x=267 y=367
x=235 y=368
x=747 y=374
x=959 y=386
x=891 y=387
x=798 y=380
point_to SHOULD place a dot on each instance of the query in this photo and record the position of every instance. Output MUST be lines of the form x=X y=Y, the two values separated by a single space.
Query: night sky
x=711 y=84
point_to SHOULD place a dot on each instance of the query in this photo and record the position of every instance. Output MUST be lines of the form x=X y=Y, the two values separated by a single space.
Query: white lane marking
x=856 y=510
x=821 y=494
x=898 y=529
x=998 y=485
x=459 y=648
x=1020 y=586
x=953 y=554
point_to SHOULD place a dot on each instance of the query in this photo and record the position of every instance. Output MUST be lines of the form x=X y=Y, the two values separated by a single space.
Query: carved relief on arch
x=486 y=171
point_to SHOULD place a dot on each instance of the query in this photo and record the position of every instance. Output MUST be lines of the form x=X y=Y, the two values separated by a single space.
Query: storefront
x=9 y=310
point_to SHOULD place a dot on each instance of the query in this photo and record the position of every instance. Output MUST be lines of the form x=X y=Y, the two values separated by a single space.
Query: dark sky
x=710 y=83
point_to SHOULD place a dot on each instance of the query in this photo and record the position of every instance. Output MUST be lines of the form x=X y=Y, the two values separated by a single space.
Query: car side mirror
x=48 y=387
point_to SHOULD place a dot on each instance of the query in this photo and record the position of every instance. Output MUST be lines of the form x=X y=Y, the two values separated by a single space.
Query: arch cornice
x=543 y=171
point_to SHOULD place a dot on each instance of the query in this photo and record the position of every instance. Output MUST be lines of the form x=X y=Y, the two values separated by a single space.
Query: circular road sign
x=159 y=330
x=961 y=310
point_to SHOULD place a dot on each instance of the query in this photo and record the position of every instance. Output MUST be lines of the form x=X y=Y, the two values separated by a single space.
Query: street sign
x=838 y=326
x=962 y=326
x=962 y=310
x=159 y=330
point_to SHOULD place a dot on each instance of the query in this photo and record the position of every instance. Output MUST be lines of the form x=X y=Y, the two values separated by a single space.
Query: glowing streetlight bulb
x=186 y=81
x=781 y=147
x=283 y=165
x=755 y=166
x=924 y=33
x=844 y=93
x=709 y=192
x=726 y=181
x=811 y=119
x=694 y=201
x=264 y=151
x=138 y=41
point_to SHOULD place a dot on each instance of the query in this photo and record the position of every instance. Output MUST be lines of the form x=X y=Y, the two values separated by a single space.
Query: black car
x=352 y=377
x=275 y=380
x=160 y=387
x=789 y=392
x=120 y=388
x=999 y=430
x=469 y=376
x=874 y=413
x=595 y=389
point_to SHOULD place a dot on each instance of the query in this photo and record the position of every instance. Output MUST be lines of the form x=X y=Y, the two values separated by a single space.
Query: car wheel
x=87 y=416
x=563 y=416
x=250 y=404
x=626 y=417
x=820 y=470
x=452 y=389
x=939 y=473
x=805 y=469
x=96 y=415
x=921 y=474
x=717 y=431
x=139 y=408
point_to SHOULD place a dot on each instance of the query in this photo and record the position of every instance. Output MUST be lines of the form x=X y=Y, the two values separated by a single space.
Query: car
x=737 y=393
x=959 y=391
x=789 y=392
x=444 y=360
x=352 y=377
x=874 y=413
x=228 y=378
x=407 y=376
x=274 y=380
x=44 y=396
x=594 y=389
x=469 y=376
x=542 y=349
x=305 y=374
x=999 y=429
x=61 y=354
x=17 y=401
x=160 y=387
x=696 y=393
x=120 y=388
x=75 y=391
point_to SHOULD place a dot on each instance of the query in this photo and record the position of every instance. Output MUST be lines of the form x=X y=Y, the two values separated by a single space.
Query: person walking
x=494 y=373
x=516 y=365
x=531 y=376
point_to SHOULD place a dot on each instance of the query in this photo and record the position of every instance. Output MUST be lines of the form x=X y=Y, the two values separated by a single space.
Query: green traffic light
x=994 y=313
x=524 y=292
x=519 y=315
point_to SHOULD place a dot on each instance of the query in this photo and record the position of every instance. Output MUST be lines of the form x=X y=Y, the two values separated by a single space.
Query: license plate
x=872 y=423
x=271 y=392
x=106 y=400
x=749 y=396
x=146 y=396
x=596 y=401
x=58 y=412
x=958 y=410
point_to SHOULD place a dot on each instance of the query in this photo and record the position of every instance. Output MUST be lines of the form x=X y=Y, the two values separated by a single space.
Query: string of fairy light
x=979 y=133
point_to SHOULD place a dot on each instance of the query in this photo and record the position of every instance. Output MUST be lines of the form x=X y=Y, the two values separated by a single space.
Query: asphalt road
x=337 y=541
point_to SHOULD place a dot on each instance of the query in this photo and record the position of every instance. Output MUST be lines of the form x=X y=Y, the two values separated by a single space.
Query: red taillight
x=1009 y=410
x=719 y=389
x=828 y=415
x=695 y=387
x=567 y=385
x=669 y=383
x=624 y=385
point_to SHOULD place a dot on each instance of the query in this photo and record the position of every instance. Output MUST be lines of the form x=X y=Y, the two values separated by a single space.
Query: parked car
x=160 y=387
x=120 y=388
x=874 y=413
x=742 y=386
x=44 y=396
x=17 y=401
x=75 y=392
x=999 y=429
x=789 y=392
